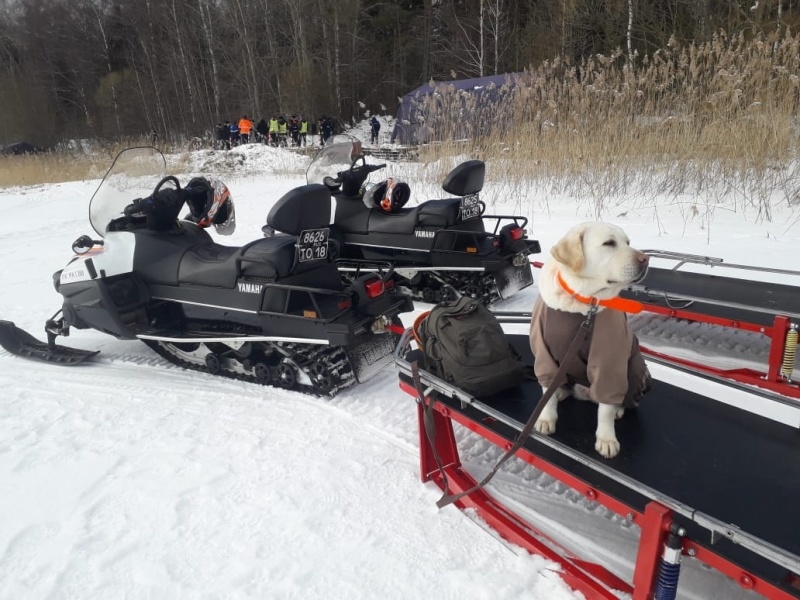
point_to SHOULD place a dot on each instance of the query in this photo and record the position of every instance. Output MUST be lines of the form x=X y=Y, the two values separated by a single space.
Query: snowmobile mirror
x=83 y=244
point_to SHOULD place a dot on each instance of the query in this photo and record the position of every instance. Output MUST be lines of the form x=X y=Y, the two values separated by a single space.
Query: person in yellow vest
x=303 y=130
x=283 y=130
x=245 y=127
x=273 y=130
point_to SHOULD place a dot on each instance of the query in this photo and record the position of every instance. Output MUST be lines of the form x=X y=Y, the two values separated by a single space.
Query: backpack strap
x=415 y=329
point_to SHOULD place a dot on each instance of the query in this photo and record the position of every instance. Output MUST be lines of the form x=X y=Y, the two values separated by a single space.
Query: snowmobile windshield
x=134 y=173
x=337 y=156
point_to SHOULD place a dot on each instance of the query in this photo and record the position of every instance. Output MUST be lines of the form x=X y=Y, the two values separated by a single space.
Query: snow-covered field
x=131 y=478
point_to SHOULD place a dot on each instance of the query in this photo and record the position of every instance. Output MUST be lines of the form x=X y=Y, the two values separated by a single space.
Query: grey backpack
x=464 y=345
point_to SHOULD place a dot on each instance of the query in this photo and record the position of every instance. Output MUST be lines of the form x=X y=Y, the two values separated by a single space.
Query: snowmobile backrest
x=306 y=207
x=466 y=178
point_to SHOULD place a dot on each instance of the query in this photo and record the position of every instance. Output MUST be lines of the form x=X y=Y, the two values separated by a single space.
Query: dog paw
x=581 y=392
x=608 y=448
x=545 y=426
x=619 y=413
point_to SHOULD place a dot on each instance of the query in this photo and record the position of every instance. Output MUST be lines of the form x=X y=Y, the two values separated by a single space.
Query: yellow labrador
x=593 y=262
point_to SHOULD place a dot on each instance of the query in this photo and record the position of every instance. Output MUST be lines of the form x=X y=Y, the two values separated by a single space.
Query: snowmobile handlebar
x=352 y=179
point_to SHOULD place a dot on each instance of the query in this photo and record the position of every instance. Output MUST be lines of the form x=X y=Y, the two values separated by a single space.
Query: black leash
x=447 y=497
x=430 y=425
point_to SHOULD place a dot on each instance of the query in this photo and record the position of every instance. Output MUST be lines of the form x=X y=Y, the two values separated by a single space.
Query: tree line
x=114 y=68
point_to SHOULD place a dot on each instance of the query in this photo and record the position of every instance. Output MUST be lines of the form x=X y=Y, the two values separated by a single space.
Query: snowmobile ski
x=21 y=343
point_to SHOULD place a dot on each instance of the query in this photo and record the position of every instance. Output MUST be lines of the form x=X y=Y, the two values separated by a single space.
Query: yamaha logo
x=250 y=288
x=424 y=234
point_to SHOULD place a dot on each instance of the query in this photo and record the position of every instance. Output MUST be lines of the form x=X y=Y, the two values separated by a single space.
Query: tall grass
x=63 y=164
x=717 y=118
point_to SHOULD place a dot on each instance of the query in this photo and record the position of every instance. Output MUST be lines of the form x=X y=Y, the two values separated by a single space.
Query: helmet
x=389 y=195
x=211 y=203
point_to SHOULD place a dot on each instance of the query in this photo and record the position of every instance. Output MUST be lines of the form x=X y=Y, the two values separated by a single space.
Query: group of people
x=277 y=131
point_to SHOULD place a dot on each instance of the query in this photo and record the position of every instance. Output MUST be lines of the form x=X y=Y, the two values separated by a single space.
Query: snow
x=362 y=130
x=133 y=478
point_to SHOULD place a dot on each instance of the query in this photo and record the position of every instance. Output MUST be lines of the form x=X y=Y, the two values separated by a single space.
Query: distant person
x=219 y=136
x=327 y=129
x=273 y=130
x=303 y=130
x=226 y=135
x=375 y=129
x=294 y=130
x=262 y=129
x=283 y=129
x=245 y=127
x=234 y=128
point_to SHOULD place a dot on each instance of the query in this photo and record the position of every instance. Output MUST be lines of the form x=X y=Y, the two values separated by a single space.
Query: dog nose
x=642 y=258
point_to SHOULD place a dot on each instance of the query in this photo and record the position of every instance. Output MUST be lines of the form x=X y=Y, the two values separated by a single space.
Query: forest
x=115 y=69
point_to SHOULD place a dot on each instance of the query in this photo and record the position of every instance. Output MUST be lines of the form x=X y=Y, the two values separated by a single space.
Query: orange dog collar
x=616 y=303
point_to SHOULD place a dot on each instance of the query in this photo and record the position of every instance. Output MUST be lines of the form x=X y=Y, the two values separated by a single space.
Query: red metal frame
x=590 y=578
x=771 y=380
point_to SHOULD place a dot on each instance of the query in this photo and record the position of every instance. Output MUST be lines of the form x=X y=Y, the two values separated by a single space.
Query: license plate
x=470 y=207
x=312 y=244
x=513 y=279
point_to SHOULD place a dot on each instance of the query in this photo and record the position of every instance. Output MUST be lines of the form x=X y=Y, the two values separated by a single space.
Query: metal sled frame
x=755 y=564
x=766 y=308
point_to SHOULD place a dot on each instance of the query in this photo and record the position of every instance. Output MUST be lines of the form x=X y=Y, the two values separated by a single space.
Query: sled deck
x=769 y=309
x=722 y=482
x=21 y=343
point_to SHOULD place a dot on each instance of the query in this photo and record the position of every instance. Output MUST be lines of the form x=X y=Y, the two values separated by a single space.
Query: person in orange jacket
x=245 y=127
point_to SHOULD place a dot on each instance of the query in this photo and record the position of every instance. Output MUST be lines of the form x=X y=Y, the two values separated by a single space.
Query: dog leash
x=447 y=497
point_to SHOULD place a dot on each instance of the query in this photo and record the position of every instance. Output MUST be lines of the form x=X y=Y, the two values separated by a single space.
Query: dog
x=591 y=264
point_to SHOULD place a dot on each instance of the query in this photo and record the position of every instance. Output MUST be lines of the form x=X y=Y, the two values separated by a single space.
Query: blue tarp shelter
x=453 y=109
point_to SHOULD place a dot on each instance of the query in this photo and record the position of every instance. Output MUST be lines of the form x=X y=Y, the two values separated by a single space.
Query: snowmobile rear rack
x=710 y=482
x=770 y=309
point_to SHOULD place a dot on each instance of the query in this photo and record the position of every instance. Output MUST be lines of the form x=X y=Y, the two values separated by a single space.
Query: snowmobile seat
x=305 y=207
x=439 y=213
x=217 y=266
x=209 y=264
x=433 y=213
x=402 y=221
x=273 y=258
x=467 y=178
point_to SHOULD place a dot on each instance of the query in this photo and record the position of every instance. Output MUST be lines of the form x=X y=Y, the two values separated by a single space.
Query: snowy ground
x=132 y=478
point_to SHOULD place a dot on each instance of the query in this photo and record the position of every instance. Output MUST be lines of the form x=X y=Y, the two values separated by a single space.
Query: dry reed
x=717 y=118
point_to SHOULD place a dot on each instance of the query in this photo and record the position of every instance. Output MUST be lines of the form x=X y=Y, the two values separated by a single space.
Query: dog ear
x=569 y=249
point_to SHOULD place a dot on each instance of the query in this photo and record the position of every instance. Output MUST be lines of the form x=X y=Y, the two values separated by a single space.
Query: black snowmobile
x=274 y=311
x=438 y=249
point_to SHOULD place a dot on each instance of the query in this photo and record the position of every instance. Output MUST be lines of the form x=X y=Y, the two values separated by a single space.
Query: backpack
x=464 y=344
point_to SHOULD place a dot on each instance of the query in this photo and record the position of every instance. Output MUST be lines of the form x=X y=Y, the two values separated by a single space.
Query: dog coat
x=609 y=363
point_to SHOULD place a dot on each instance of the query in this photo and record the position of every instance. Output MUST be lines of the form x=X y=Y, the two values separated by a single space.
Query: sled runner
x=770 y=309
x=702 y=481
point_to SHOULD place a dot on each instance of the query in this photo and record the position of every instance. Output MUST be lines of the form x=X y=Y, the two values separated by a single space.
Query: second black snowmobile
x=440 y=248
x=273 y=311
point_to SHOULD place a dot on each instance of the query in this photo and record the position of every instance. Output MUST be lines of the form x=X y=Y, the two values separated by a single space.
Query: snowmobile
x=274 y=311
x=438 y=249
